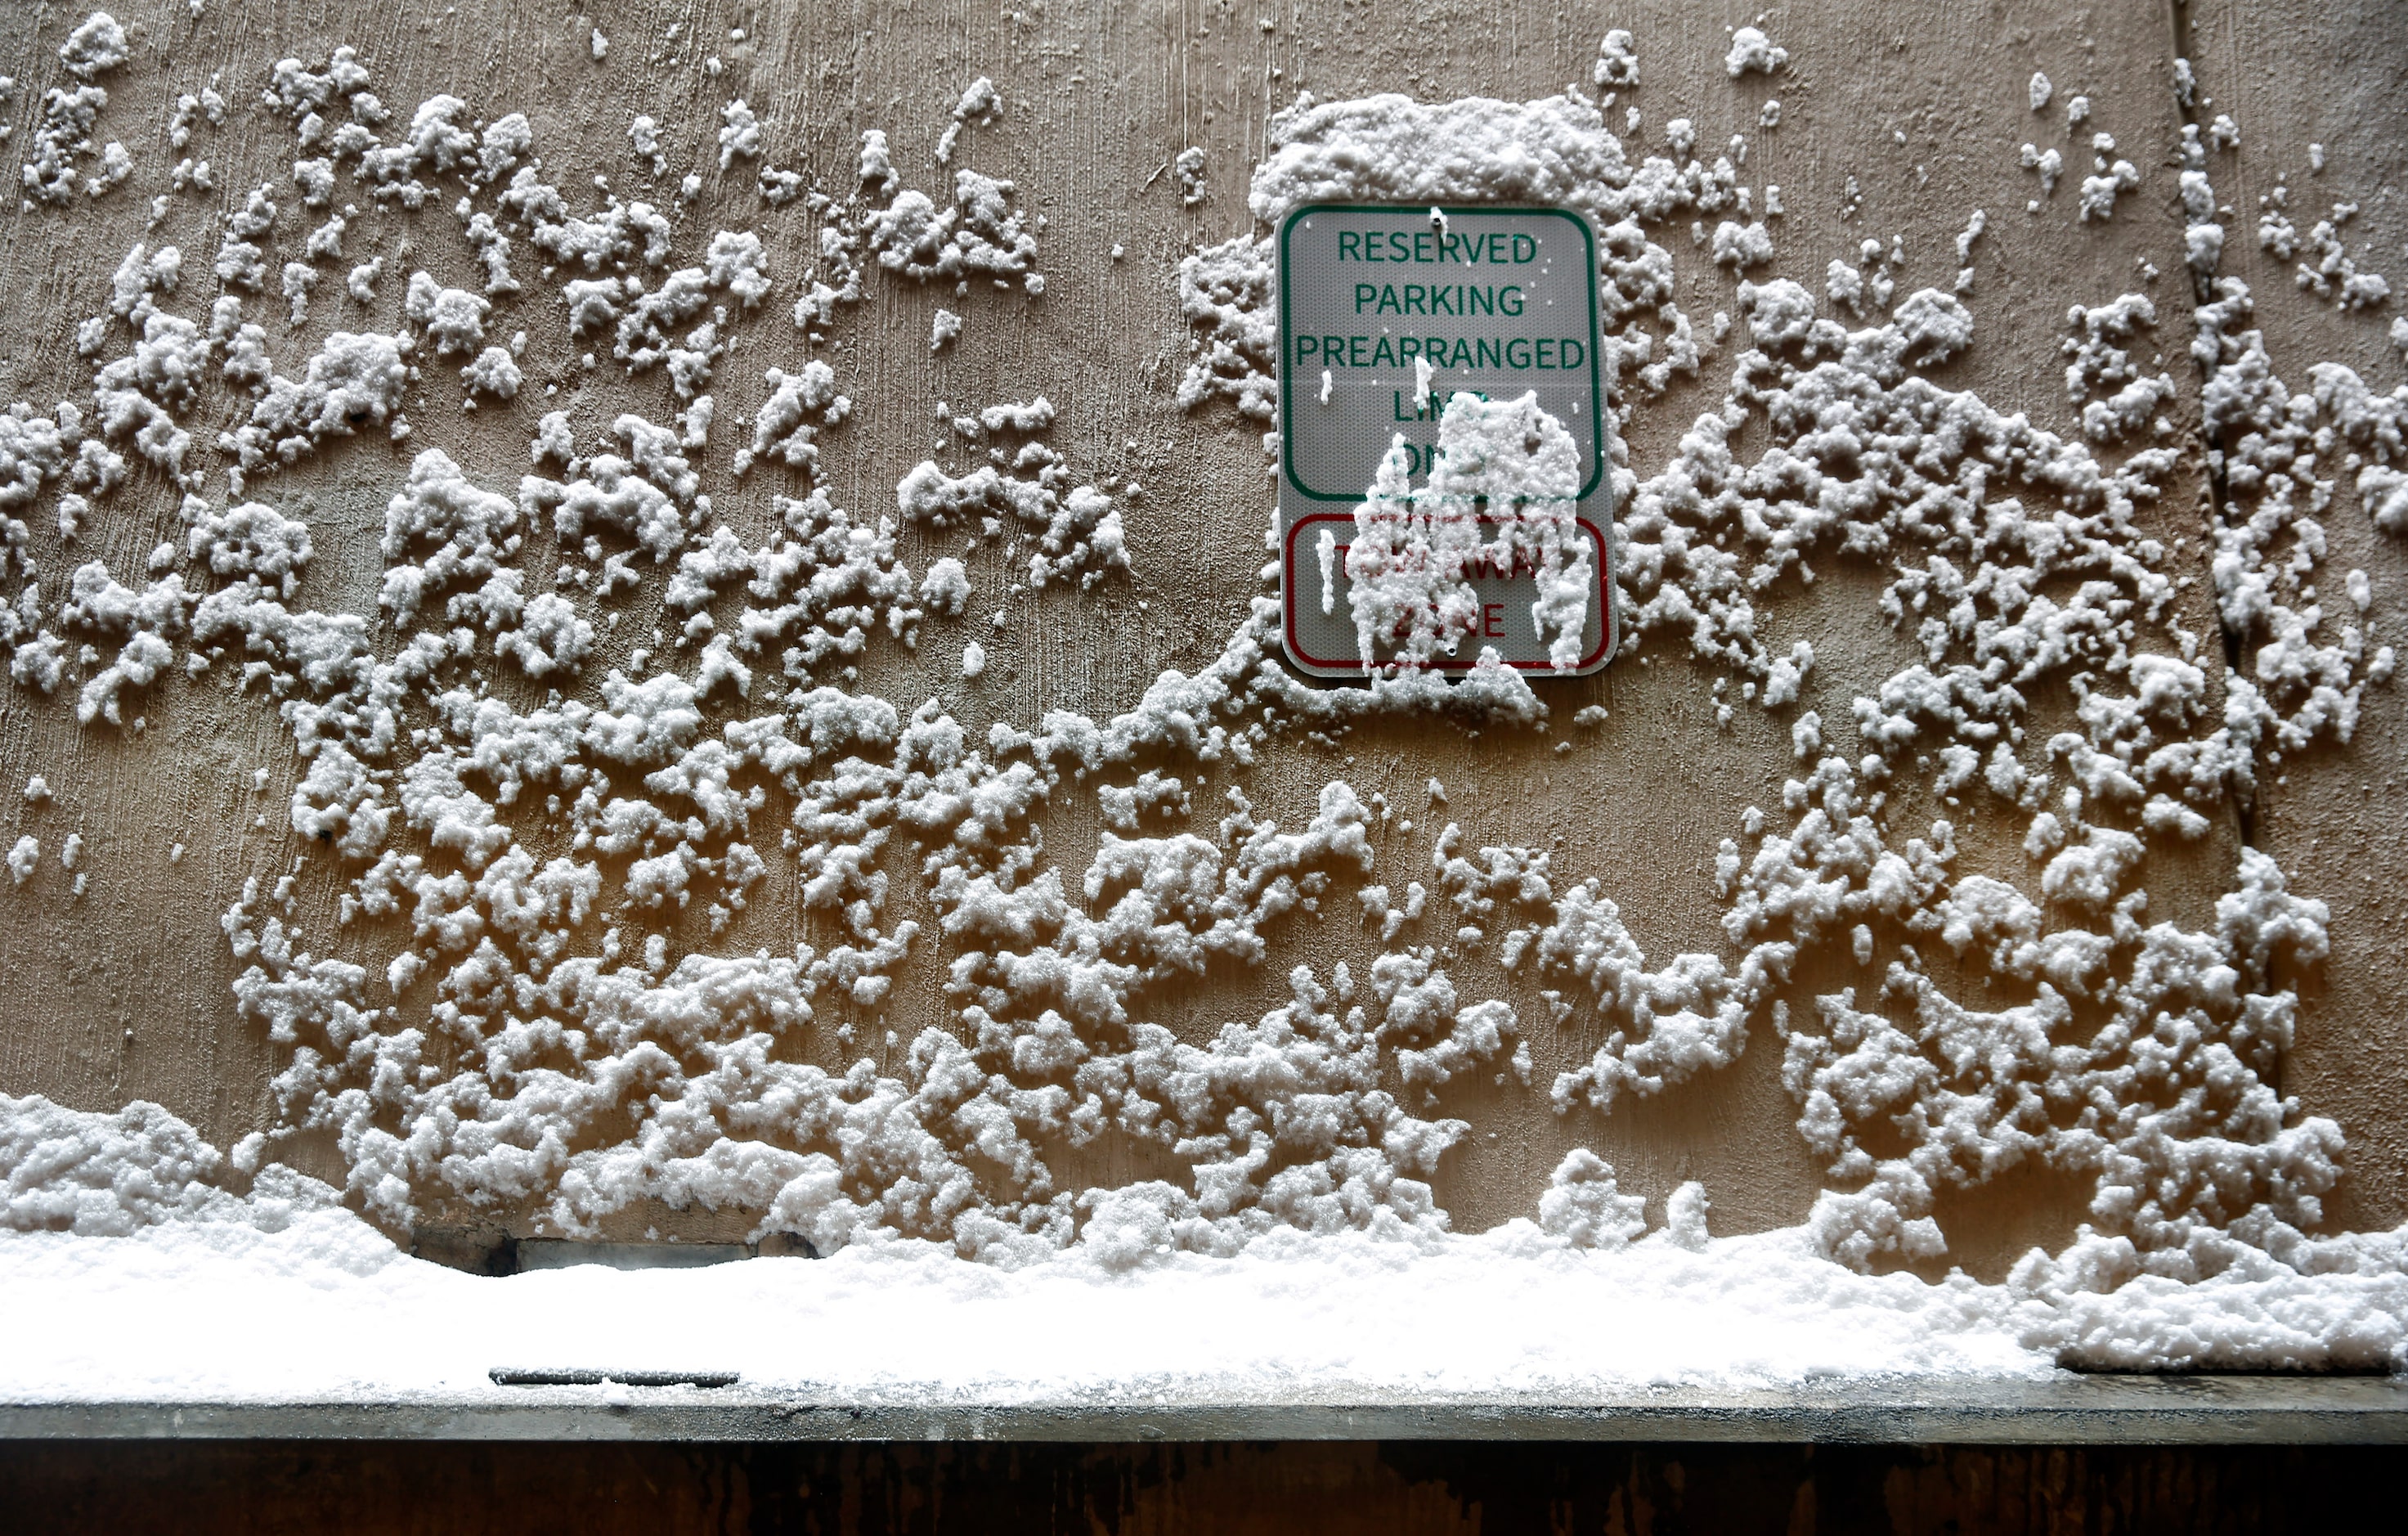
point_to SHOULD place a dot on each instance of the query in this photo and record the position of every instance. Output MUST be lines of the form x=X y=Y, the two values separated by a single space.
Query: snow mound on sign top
x=1391 y=149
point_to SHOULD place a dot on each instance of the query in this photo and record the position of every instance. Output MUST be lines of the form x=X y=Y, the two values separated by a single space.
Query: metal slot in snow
x=557 y=1254
x=510 y=1376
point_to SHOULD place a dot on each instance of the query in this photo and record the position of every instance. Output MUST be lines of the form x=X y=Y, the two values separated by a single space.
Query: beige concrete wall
x=2333 y=816
x=124 y=994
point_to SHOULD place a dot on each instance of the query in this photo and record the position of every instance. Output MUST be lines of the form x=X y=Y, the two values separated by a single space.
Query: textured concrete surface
x=1919 y=109
x=2335 y=816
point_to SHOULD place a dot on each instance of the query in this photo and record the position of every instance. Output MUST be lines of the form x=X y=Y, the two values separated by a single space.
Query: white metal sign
x=1387 y=315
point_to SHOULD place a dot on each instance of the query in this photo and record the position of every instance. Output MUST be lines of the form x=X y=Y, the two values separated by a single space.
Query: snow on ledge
x=326 y=1308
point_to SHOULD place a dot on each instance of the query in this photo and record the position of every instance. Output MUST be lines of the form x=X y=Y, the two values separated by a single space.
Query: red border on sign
x=1355 y=664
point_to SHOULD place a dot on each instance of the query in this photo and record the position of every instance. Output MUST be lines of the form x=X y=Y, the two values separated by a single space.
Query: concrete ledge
x=2063 y=1410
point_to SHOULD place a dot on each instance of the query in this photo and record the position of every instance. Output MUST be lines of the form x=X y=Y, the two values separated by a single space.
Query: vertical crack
x=2219 y=490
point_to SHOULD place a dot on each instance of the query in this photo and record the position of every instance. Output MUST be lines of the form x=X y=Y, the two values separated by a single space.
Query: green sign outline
x=1597 y=379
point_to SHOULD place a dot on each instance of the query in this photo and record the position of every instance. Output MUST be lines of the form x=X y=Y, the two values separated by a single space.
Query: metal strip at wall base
x=2070 y=1409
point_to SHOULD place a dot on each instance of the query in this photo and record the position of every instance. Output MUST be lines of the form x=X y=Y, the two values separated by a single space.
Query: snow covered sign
x=1444 y=490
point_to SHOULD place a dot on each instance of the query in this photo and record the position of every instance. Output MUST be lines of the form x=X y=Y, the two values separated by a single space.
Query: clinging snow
x=666 y=828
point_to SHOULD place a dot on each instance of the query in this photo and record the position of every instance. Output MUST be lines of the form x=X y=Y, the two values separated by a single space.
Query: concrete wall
x=125 y=993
